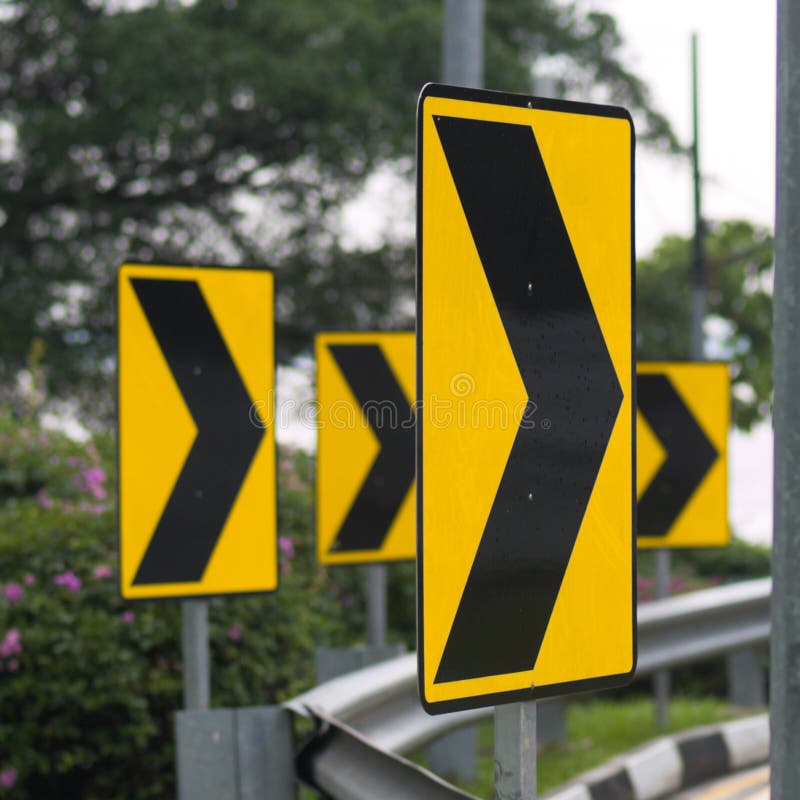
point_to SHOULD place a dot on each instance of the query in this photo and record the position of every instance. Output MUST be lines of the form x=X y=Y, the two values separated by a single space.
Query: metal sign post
x=698 y=278
x=785 y=655
x=194 y=642
x=661 y=680
x=376 y=605
x=515 y=751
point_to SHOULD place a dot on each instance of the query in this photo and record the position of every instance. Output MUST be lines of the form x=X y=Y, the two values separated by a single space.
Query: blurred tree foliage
x=88 y=682
x=739 y=327
x=233 y=132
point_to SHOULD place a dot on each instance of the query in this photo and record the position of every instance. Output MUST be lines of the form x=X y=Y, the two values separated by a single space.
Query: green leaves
x=90 y=687
x=233 y=132
x=739 y=303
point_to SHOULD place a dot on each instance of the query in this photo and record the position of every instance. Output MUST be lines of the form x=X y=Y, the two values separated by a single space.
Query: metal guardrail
x=700 y=625
x=347 y=765
x=365 y=719
x=382 y=705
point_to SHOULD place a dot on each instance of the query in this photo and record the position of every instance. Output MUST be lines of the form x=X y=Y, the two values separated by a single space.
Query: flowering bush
x=88 y=683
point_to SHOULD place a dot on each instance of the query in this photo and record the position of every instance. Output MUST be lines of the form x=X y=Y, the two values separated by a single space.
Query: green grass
x=597 y=730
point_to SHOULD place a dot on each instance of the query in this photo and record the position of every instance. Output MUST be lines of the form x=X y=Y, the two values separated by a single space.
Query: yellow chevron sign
x=197 y=510
x=525 y=457
x=365 y=447
x=682 y=454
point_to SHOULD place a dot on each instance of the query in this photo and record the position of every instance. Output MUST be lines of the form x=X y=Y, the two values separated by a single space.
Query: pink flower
x=43 y=499
x=14 y=592
x=127 y=617
x=98 y=509
x=677 y=584
x=102 y=571
x=12 y=665
x=235 y=632
x=91 y=480
x=72 y=461
x=69 y=580
x=8 y=777
x=29 y=579
x=94 y=475
x=11 y=644
x=286 y=546
x=347 y=601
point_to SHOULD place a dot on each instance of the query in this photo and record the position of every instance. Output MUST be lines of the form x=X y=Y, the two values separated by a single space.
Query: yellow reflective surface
x=156 y=431
x=347 y=447
x=705 y=389
x=473 y=397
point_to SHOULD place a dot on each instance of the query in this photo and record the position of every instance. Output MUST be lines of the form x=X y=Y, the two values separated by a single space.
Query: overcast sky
x=737 y=154
x=737 y=107
x=737 y=54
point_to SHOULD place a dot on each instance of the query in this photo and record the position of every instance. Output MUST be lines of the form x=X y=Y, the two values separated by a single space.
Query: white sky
x=737 y=155
x=737 y=107
x=737 y=53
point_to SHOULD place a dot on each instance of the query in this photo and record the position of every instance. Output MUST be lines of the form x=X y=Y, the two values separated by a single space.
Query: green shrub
x=739 y=561
x=702 y=568
x=89 y=683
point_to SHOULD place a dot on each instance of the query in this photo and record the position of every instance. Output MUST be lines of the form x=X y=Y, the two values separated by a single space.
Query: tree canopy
x=233 y=132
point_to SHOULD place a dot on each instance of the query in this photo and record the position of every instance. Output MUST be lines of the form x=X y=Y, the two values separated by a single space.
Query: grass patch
x=597 y=730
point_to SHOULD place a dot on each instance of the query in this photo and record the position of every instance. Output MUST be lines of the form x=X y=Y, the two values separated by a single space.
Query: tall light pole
x=785 y=639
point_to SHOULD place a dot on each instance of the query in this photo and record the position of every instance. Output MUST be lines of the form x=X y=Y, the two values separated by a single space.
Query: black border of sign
x=118 y=405
x=569 y=687
x=318 y=337
x=691 y=362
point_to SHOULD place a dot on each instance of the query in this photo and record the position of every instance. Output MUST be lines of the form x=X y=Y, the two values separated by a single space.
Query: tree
x=739 y=325
x=232 y=132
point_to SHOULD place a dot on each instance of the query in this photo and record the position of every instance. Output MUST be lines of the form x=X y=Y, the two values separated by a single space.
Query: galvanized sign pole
x=785 y=656
x=515 y=751
x=194 y=642
x=462 y=60
x=376 y=605
x=698 y=281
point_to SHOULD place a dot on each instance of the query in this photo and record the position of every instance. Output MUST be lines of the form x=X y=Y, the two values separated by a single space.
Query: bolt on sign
x=365 y=449
x=682 y=454
x=197 y=484
x=525 y=398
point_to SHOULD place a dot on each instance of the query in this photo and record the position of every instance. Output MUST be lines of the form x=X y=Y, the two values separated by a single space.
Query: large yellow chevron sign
x=196 y=442
x=365 y=450
x=525 y=457
x=682 y=454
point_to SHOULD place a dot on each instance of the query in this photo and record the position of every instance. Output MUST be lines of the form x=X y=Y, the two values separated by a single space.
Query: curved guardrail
x=366 y=719
x=381 y=702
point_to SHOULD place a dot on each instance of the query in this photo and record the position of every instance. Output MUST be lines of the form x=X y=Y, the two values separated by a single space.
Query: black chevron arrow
x=553 y=332
x=690 y=454
x=226 y=441
x=383 y=403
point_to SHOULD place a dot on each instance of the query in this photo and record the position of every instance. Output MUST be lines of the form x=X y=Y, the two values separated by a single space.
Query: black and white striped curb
x=670 y=764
